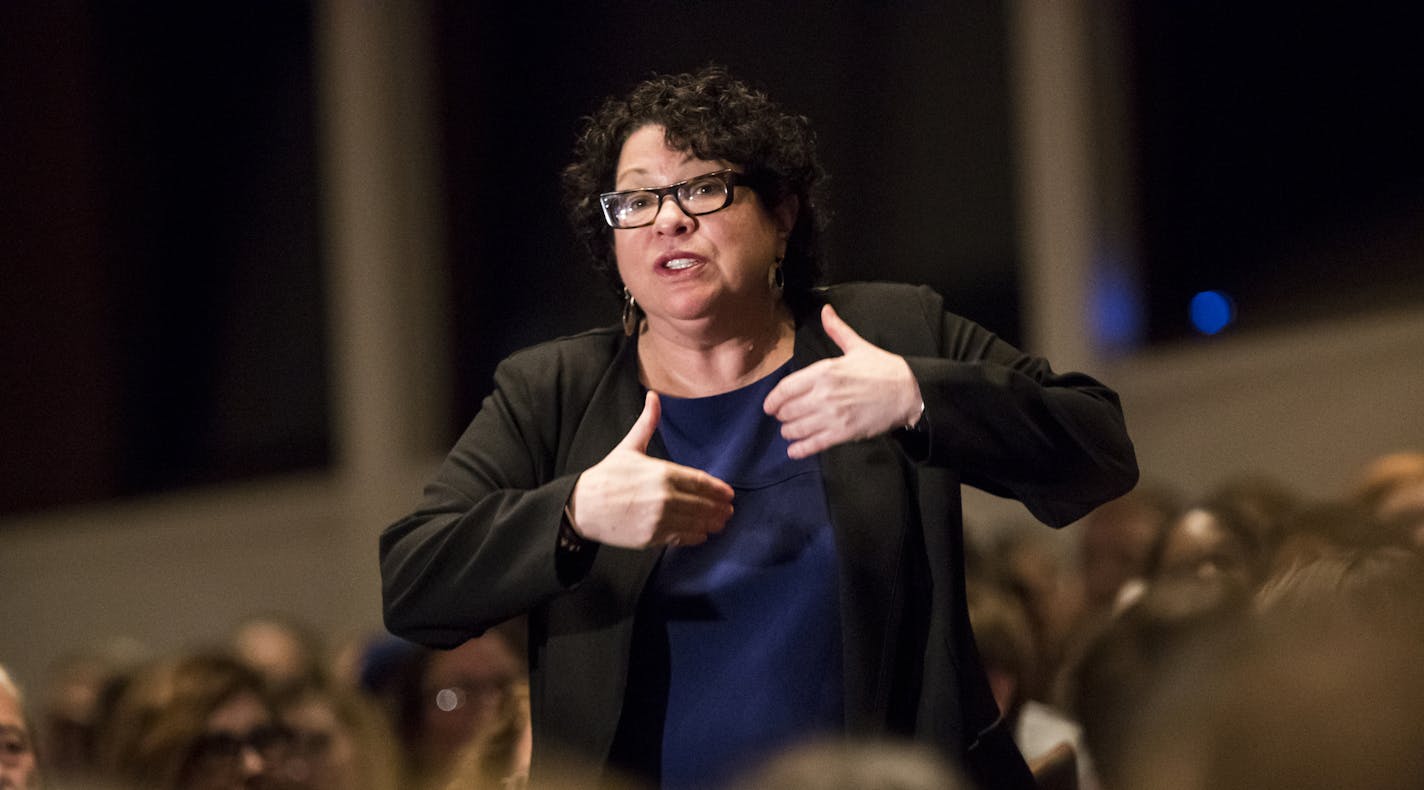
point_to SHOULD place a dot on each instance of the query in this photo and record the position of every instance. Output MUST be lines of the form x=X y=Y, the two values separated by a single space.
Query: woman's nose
x=671 y=220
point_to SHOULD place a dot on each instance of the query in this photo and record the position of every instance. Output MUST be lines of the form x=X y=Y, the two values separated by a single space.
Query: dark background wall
x=1280 y=158
x=161 y=288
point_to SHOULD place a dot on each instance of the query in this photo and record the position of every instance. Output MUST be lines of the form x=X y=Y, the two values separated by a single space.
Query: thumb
x=642 y=431
x=839 y=331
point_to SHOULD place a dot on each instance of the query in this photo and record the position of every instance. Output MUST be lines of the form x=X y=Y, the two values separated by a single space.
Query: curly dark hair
x=714 y=116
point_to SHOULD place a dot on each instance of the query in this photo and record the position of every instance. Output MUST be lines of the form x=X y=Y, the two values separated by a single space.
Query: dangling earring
x=630 y=314
x=776 y=278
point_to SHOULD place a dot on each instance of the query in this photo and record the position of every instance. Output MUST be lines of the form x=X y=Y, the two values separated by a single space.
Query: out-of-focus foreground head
x=856 y=765
x=1392 y=489
x=1307 y=702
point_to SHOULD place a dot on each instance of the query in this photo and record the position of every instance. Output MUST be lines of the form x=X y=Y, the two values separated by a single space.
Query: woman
x=498 y=757
x=444 y=699
x=340 y=739
x=203 y=722
x=734 y=520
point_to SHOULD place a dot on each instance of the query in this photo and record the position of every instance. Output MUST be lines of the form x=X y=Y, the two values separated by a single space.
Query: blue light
x=1115 y=307
x=1212 y=311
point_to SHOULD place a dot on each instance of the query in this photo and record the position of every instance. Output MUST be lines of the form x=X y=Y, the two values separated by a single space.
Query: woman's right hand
x=634 y=501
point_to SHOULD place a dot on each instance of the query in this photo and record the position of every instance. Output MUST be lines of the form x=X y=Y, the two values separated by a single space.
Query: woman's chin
x=688 y=310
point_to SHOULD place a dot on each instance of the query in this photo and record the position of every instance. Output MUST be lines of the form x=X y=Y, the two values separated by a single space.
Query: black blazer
x=480 y=548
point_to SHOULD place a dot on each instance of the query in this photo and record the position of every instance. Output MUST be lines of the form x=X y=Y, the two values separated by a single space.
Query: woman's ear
x=785 y=215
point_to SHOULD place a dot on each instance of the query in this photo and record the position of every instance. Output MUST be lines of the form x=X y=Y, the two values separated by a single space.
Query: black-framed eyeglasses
x=704 y=194
x=269 y=742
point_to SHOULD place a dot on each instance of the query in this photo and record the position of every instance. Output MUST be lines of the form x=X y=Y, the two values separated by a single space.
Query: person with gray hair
x=19 y=767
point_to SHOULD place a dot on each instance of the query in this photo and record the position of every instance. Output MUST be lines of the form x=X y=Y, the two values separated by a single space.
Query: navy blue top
x=737 y=648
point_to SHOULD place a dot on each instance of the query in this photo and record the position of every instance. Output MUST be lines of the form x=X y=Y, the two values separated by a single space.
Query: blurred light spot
x=1116 y=308
x=1212 y=311
x=1115 y=313
x=449 y=699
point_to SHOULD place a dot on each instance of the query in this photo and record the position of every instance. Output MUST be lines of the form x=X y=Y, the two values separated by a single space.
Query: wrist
x=917 y=416
x=916 y=413
x=569 y=537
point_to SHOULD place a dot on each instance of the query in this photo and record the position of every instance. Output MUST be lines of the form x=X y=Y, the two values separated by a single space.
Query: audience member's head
x=1215 y=538
x=1300 y=703
x=1116 y=538
x=1358 y=584
x=284 y=652
x=499 y=756
x=1261 y=502
x=340 y=739
x=1125 y=660
x=202 y=722
x=447 y=697
x=1233 y=532
x=75 y=689
x=19 y=768
x=1391 y=488
x=80 y=689
x=1006 y=648
x=856 y=765
x=1037 y=567
x=1326 y=528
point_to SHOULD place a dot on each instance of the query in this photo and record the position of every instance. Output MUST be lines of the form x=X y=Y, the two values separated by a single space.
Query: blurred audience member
x=1326 y=529
x=75 y=695
x=203 y=722
x=357 y=655
x=340 y=740
x=1005 y=642
x=1358 y=583
x=856 y=765
x=1115 y=540
x=382 y=666
x=447 y=697
x=1126 y=659
x=1220 y=537
x=498 y=758
x=1392 y=489
x=1032 y=565
x=284 y=652
x=1310 y=700
x=19 y=767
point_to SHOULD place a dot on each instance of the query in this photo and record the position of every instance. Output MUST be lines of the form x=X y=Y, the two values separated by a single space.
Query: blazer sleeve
x=481 y=546
x=1015 y=428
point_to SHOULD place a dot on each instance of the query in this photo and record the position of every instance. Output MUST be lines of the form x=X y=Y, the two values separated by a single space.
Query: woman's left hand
x=860 y=395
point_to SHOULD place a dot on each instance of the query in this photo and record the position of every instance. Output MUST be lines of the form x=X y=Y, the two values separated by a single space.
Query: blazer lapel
x=869 y=505
x=610 y=413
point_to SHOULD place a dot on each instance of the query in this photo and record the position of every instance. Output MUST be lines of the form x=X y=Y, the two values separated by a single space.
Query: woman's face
x=694 y=272
x=1199 y=546
x=239 y=748
x=324 y=753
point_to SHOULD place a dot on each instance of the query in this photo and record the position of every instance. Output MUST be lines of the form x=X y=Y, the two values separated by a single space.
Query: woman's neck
x=694 y=364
